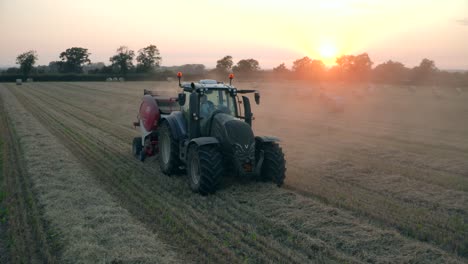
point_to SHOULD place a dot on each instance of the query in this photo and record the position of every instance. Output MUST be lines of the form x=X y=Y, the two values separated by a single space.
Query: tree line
x=349 y=68
x=76 y=60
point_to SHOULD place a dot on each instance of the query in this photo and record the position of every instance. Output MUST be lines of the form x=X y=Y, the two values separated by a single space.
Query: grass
x=27 y=234
x=84 y=220
x=4 y=242
x=3 y=211
x=398 y=208
x=249 y=222
x=396 y=158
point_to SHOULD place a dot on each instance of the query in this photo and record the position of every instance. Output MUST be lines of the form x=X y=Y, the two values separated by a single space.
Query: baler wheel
x=137 y=147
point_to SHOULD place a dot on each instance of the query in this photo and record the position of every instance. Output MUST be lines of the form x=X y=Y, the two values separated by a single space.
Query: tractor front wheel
x=274 y=164
x=204 y=168
x=168 y=150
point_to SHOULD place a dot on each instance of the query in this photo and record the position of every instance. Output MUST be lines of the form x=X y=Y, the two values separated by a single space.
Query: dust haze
x=374 y=173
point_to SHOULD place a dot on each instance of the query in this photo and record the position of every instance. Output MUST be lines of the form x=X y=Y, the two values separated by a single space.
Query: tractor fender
x=201 y=141
x=177 y=124
x=266 y=139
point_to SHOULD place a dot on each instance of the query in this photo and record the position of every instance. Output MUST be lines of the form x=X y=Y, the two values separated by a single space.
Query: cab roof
x=209 y=84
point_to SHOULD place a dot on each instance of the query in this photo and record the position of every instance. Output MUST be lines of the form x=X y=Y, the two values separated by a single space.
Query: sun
x=325 y=49
x=328 y=51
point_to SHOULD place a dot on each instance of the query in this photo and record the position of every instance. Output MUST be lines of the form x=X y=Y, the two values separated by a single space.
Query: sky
x=272 y=32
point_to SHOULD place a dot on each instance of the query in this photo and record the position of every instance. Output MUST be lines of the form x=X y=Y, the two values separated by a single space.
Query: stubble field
x=374 y=174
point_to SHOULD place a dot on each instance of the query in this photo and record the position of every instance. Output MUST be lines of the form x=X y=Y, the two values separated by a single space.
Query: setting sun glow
x=271 y=32
x=328 y=53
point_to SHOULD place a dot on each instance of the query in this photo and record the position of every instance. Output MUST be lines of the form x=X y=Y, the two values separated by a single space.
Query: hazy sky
x=272 y=32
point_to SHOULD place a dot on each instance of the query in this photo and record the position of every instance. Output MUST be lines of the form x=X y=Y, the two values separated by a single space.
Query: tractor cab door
x=185 y=109
x=189 y=107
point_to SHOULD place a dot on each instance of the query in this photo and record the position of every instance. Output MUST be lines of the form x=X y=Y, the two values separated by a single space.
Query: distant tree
x=425 y=72
x=308 y=68
x=301 y=65
x=41 y=69
x=363 y=65
x=56 y=66
x=123 y=60
x=281 y=69
x=334 y=73
x=391 y=72
x=196 y=69
x=13 y=70
x=224 y=65
x=74 y=58
x=26 y=61
x=428 y=66
x=106 y=70
x=355 y=67
x=453 y=79
x=148 y=59
x=247 y=66
x=93 y=67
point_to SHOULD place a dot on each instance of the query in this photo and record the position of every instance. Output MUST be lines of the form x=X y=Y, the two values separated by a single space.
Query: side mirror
x=257 y=98
x=181 y=99
x=247 y=110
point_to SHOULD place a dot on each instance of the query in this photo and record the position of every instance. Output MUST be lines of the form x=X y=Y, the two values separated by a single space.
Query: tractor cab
x=211 y=98
x=208 y=98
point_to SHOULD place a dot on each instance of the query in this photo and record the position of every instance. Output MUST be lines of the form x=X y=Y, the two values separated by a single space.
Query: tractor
x=206 y=131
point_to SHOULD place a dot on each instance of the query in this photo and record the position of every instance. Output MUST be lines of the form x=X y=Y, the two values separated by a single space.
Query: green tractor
x=210 y=135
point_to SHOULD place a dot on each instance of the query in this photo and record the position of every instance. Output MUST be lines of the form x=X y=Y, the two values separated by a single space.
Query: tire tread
x=274 y=164
x=211 y=168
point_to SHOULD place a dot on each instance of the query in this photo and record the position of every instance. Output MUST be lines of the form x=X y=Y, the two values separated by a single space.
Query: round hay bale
x=115 y=79
x=412 y=88
x=19 y=81
x=337 y=104
x=121 y=79
x=333 y=103
x=29 y=80
x=437 y=93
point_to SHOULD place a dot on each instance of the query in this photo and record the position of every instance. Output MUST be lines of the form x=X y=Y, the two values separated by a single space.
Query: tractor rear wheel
x=168 y=150
x=137 y=147
x=204 y=168
x=274 y=164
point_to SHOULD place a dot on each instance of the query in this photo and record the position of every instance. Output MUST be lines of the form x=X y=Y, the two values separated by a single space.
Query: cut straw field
x=385 y=179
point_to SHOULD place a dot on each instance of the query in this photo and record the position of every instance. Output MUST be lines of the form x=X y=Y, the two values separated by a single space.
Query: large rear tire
x=274 y=164
x=168 y=150
x=204 y=168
